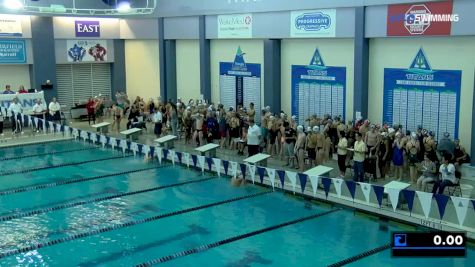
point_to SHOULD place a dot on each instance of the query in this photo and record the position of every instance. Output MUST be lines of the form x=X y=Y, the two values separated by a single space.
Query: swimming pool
x=73 y=204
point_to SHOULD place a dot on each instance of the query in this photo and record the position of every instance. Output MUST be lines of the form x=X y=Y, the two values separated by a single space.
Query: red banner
x=433 y=18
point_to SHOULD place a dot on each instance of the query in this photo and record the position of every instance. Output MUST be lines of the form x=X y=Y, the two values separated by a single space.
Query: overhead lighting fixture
x=123 y=7
x=13 y=4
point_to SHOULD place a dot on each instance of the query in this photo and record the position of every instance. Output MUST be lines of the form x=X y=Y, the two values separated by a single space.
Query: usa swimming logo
x=313 y=21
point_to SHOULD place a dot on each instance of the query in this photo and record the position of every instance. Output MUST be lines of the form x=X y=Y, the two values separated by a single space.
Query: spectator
x=460 y=155
x=398 y=156
x=117 y=114
x=359 y=157
x=447 y=170
x=22 y=90
x=289 y=138
x=134 y=113
x=16 y=109
x=251 y=112
x=428 y=170
x=99 y=109
x=172 y=113
x=8 y=90
x=430 y=146
x=412 y=148
x=39 y=112
x=299 y=149
x=157 y=120
x=342 y=151
x=312 y=146
x=253 y=138
x=384 y=155
x=91 y=114
x=446 y=145
x=54 y=109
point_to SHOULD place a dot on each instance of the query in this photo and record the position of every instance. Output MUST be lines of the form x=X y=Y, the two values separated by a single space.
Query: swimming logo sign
x=421 y=95
x=87 y=28
x=420 y=64
x=431 y=18
x=239 y=64
x=315 y=23
x=87 y=50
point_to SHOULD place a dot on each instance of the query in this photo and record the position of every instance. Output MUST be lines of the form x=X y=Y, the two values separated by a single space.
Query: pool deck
x=147 y=137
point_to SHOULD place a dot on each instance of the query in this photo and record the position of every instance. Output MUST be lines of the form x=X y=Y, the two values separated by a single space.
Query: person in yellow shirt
x=359 y=157
x=342 y=151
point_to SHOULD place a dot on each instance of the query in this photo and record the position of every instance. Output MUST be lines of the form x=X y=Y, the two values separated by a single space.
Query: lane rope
x=49 y=153
x=231 y=239
x=59 y=165
x=72 y=181
x=40 y=143
x=124 y=225
x=84 y=202
x=360 y=256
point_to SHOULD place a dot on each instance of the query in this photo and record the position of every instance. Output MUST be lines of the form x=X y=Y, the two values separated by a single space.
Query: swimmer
x=238 y=181
x=147 y=158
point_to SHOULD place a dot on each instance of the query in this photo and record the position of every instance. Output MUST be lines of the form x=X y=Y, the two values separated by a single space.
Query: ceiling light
x=13 y=4
x=123 y=6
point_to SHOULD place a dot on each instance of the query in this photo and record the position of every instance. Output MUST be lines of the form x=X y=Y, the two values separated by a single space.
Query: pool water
x=90 y=206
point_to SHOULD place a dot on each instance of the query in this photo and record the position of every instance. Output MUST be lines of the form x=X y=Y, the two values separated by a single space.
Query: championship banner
x=26 y=100
x=240 y=83
x=313 y=23
x=421 y=96
x=434 y=18
x=10 y=26
x=86 y=50
x=235 y=26
x=12 y=51
x=318 y=89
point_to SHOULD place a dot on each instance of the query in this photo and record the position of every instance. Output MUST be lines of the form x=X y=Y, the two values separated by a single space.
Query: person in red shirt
x=91 y=113
x=22 y=90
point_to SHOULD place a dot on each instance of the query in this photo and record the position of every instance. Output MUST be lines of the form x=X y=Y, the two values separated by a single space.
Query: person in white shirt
x=253 y=138
x=448 y=175
x=157 y=119
x=15 y=110
x=54 y=109
x=38 y=111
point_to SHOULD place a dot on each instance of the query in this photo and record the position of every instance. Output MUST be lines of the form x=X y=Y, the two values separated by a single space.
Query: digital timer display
x=433 y=244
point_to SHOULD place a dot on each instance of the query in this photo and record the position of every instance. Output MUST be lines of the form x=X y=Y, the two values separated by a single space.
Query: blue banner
x=318 y=90
x=12 y=51
x=421 y=96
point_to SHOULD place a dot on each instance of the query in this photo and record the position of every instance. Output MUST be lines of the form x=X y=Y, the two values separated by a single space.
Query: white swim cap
x=316 y=129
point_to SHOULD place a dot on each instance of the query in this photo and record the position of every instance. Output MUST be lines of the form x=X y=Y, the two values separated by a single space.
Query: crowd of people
x=372 y=151
x=39 y=110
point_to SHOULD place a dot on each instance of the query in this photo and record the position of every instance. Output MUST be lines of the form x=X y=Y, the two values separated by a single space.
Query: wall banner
x=86 y=50
x=10 y=26
x=313 y=23
x=240 y=83
x=12 y=51
x=421 y=96
x=26 y=100
x=433 y=18
x=235 y=26
x=318 y=90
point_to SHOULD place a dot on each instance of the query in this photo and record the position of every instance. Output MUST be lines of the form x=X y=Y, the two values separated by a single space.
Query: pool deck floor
x=147 y=137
